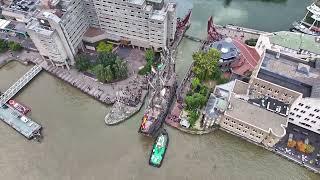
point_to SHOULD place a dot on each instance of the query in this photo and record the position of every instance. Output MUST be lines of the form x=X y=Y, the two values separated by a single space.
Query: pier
x=14 y=118
x=19 y=122
x=16 y=87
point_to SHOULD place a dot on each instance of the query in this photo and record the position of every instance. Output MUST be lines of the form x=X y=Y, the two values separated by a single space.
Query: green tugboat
x=159 y=149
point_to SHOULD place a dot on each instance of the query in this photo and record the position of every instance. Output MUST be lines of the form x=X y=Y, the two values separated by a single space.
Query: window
x=291 y=113
x=306 y=119
x=313 y=122
x=298 y=116
x=317 y=110
x=296 y=109
x=302 y=111
x=308 y=107
x=291 y=119
x=300 y=104
x=311 y=115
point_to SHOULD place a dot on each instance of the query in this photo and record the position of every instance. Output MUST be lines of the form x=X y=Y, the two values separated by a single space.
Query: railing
x=16 y=87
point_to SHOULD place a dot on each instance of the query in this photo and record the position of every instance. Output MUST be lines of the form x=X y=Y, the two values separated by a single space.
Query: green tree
x=195 y=83
x=195 y=101
x=149 y=55
x=82 y=63
x=146 y=69
x=100 y=72
x=3 y=45
x=191 y=102
x=206 y=63
x=106 y=59
x=108 y=74
x=13 y=46
x=104 y=47
x=193 y=117
x=121 y=71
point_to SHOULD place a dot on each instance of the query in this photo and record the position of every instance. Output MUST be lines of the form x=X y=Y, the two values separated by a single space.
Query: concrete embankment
x=83 y=83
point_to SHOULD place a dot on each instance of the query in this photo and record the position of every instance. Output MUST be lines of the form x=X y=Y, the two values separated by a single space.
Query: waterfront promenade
x=105 y=93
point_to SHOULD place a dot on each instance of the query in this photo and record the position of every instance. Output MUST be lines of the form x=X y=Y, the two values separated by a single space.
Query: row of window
x=120 y=14
x=308 y=107
x=244 y=131
x=242 y=125
x=272 y=90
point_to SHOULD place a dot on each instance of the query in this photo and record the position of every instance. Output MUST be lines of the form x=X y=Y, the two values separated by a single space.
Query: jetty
x=14 y=118
x=19 y=122
x=16 y=87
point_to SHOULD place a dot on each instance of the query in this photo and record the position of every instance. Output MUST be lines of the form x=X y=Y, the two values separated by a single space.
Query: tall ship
x=164 y=85
x=310 y=24
x=163 y=89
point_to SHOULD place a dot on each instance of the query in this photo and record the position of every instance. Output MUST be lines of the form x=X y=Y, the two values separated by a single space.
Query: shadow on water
x=227 y=3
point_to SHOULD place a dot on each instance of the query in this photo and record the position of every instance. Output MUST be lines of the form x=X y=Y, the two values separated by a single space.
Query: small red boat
x=19 y=107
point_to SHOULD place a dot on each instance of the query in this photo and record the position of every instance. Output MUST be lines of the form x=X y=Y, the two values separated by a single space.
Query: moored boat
x=310 y=24
x=159 y=149
x=19 y=107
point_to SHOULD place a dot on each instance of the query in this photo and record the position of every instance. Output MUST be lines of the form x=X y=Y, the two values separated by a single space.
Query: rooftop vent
x=304 y=69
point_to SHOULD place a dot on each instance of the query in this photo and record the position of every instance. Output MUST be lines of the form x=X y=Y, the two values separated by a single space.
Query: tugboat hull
x=153 y=155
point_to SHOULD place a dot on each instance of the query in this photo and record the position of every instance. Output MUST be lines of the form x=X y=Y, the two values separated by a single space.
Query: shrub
x=3 y=45
x=309 y=149
x=291 y=144
x=13 y=46
x=193 y=116
x=301 y=146
x=251 y=42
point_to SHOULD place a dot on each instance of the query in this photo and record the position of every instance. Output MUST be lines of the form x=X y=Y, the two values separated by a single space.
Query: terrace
x=289 y=146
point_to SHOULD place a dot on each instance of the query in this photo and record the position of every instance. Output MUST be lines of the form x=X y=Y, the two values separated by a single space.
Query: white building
x=305 y=112
x=141 y=23
x=249 y=120
x=58 y=34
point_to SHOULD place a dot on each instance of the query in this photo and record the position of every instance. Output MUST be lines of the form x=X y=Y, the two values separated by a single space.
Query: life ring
x=11 y=102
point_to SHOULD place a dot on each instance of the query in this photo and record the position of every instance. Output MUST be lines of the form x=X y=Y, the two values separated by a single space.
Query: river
x=78 y=145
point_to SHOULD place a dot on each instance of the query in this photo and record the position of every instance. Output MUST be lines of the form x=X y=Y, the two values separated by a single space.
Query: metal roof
x=4 y=23
x=296 y=41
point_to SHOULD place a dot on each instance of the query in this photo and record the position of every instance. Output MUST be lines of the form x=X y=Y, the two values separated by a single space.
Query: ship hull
x=164 y=133
x=156 y=126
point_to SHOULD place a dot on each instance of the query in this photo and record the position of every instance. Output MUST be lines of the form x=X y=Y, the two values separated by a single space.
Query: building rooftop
x=137 y=2
x=227 y=49
x=155 y=1
x=271 y=104
x=256 y=116
x=214 y=106
x=92 y=32
x=296 y=41
x=24 y=5
x=288 y=72
x=158 y=15
x=240 y=87
x=224 y=90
